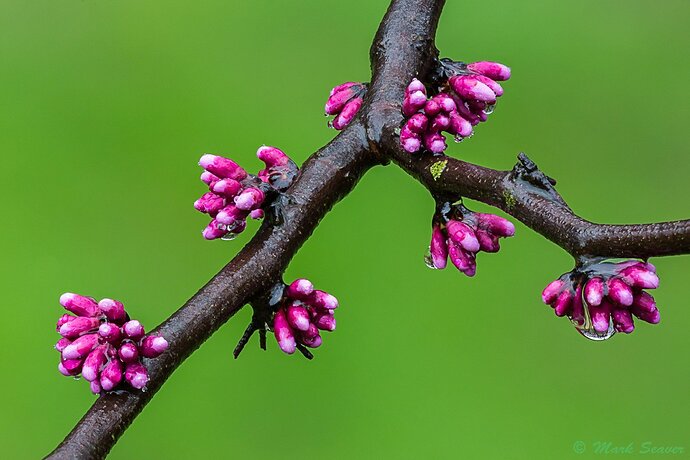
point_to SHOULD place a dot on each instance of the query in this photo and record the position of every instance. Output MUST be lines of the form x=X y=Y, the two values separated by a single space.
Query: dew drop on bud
x=429 y=261
x=587 y=330
x=489 y=109
x=229 y=236
x=458 y=138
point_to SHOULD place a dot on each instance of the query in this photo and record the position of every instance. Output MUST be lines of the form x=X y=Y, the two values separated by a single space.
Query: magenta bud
x=551 y=291
x=341 y=87
x=445 y=102
x=63 y=320
x=136 y=375
x=311 y=332
x=78 y=326
x=640 y=277
x=214 y=230
x=493 y=70
x=208 y=178
x=70 y=366
x=128 y=352
x=438 y=248
x=432 y=108
x=110 y=332
x=230 y=214
x=644 y=302
x=113 y=310
x=250 y=198
x=133 y=329
x=564 y=302
x=410 y=141
x=459 y=126
x=93 y=363
x=463 y=260
x=434 y=142
x=227 y=187
x=577 y=314
x=79 y=305
x=300 y=289
x=348 y=113
x=298 y=317
x=153 y=346
x=594 y=291
x=324 y=321
x=651 y=316
x=209 y=203
x=336 y=102
x=80 y=347
x=462 y=234
x=417 y=123
x=471 y=88
x=413 y=103
x=222 y=167
x=600 y=315
x=495 y=87
x=623 y=321
x=495 y=224
x=283 y=333
x=312 y=342
x=95 y=387
x=61 y=344
x=619 y=292
x=322 y=300
x=272 y=156
x=487 y=241
x=111 y=375
x=441 y=122
x=414 y=86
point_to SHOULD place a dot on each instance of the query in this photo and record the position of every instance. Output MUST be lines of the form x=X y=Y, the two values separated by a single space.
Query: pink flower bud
x=417 y=123
x=410 y=141
x=551 y=291
x=640 y=277
x=322 y=300
x=341 y=87
x=495 y=224
x=438 y=248
x=110 y=332
x=63 y=320
x=113 y=310
x=577 y=314
x=432 y=108
x=257 y=214
x=445 y=102
x=79 y=305
x=300 y=289
x=441 y=122
x=70 y=366
x=471 y=88
x=250 y=198
x=230 y=214
x=128 y=352
x=209 y=178
x=623 y=321
x=80 y=347
x=311 y=332
x=348 y=113
x=337 y=100
x=133 y=329
x=111 y=375
x=594 y=291
x=493 y=70
x=78 y=326
x=487 y=241
x=643 y=301
x=459 y=126
x=312 y=342
x=434 y=142
x=495 y=87
x=619 y=292
x=209 y=203
x=95 y=387
x=227 y=187
x=272 y=156
x=153 y=346
x=413 y=103
x=564 y=302
x=324 y=321
x=136 y=375
x=61 y=344
x=222 y=167
x=652 y=317
x=298 y=317
x=465 y=112
x=414 y=86
x=463 y=235
x=463 y=260
x=214 y=230
x=93 y=363
x=283 y=333
x=600 y=316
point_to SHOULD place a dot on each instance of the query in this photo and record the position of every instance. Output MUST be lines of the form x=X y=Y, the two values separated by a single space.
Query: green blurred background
x=106 y=107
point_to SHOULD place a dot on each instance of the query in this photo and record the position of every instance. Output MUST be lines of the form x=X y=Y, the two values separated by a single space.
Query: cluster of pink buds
x=344 y=102
x=235 y=195
x=465 y=95
x=303 y=311
x=460 y=233
x=600 y=298
x=103 y=345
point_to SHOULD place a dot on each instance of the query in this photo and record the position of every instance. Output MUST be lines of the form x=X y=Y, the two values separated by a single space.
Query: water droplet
x=587 y=330
x=229 y=236
x=489 y=109
x=76 y=377
x=429 y=261
x=458 y=138
x=330 y=124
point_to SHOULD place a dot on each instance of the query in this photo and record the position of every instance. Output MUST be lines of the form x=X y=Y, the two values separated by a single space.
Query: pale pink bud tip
x=493 y=70
x=298 y=317
x=152 y=346
x=551 y=291
x=300 y=289
x=113 y=310
x=471 y=88
x=249 y=199
x=463 y=235
x=272 y=156
x=620 y=292
x=214 y=230
x=79 y=305
x=136 y=375
x=78 y=326
x=111 y=375
x=594 y=291
x=257 y=214
x=128 y=352
x=133 y=329
x=95 y=387
x=438 y=248
x=222 y=167
x=415 y=85
x=283 y=333
x=81 y=347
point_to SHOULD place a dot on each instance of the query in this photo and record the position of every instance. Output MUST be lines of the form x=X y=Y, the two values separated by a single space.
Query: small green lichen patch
x=437 y=168
x=510 y=199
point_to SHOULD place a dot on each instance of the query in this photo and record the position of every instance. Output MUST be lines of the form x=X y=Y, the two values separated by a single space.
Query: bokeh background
x=106 y=107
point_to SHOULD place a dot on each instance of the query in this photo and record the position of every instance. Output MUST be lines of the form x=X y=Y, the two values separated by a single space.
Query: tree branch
x=403 y=49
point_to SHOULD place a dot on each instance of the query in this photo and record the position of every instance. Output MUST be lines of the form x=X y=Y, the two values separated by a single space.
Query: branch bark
x=403 y=49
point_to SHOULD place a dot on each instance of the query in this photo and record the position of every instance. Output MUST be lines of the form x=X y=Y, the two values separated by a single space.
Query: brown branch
x=403 y=49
